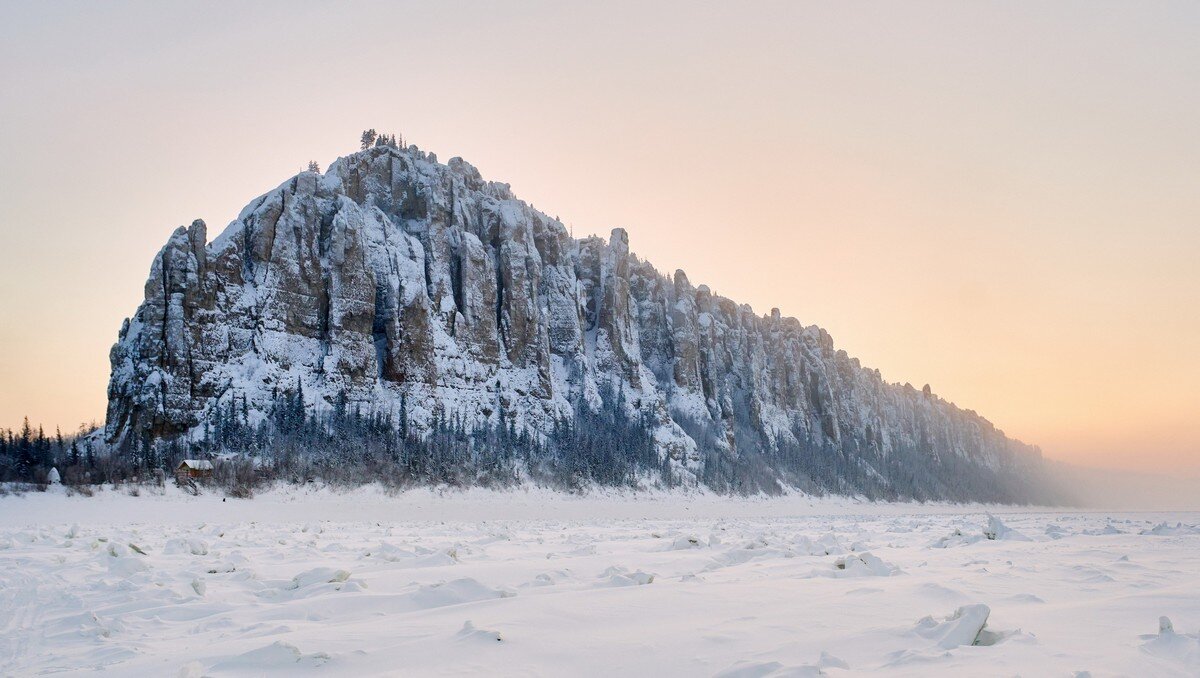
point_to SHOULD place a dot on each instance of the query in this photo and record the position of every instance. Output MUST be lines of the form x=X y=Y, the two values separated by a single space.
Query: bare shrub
x=238 y=477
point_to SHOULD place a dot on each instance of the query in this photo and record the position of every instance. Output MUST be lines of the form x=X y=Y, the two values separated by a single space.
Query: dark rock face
x=393 y=274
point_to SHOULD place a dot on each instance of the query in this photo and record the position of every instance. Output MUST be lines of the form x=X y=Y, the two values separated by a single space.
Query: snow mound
x=470 y=633
x=827 y=545
x=278 y=657
x=96 y=627
x=738 y=556
x=1102 y=531
x=191 y=670
x=1178 y=647
x=619 y=576
x=829 y=661
x=414 y=558
x=748 y=669
x=455 y=592
x=549 y=578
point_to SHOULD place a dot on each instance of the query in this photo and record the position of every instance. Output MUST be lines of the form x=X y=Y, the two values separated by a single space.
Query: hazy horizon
x=1001 y=204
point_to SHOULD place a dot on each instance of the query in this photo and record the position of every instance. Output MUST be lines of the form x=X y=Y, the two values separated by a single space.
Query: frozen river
x=545 y=585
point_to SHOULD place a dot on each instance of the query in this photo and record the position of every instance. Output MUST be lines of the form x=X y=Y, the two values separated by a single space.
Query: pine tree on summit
x=368 y=138
x=314 y=167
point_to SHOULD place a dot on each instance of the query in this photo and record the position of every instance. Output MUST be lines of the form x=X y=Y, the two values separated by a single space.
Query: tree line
x=29 y=455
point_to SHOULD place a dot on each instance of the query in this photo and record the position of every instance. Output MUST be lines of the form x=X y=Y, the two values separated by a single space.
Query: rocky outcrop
x=393 y=274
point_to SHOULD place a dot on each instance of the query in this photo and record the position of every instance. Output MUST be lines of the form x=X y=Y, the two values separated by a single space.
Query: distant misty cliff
x=427 y=301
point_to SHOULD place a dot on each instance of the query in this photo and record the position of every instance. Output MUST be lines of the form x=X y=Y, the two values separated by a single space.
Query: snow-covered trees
x=346 y=445
x=28 y=455
x=345 y=442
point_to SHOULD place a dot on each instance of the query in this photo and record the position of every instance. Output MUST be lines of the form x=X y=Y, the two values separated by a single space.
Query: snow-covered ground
x=531 y=583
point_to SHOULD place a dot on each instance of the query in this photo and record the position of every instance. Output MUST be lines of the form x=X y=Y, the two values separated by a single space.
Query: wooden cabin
x=193 y=469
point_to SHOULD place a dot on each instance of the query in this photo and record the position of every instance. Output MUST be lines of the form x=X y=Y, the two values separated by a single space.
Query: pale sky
x=999 y=199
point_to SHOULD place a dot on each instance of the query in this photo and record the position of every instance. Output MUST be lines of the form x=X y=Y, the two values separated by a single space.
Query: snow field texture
x=532 y=584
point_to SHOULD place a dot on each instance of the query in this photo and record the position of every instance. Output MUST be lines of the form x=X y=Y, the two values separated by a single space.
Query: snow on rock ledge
x=393 y=277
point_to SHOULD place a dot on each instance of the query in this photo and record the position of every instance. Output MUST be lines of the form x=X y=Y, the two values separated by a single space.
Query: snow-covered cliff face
x=393 y=274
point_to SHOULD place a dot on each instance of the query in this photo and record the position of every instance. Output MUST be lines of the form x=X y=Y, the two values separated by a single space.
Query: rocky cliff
x=394 y=275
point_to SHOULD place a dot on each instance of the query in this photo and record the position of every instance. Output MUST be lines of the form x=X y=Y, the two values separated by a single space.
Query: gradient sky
x=999 y=199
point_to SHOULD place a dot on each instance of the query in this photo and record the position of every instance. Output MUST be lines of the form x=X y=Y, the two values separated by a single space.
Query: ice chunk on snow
x=318 y=575
x=998 y=530
x=961 y=628
x=685 y=542
x=122 y=563
x=1166 y=530
x=955 y=538
x=832 y=546
x=829 y=661
x=864 y=565
x=195 y=547
x=96 y=627
x=1167 y=644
